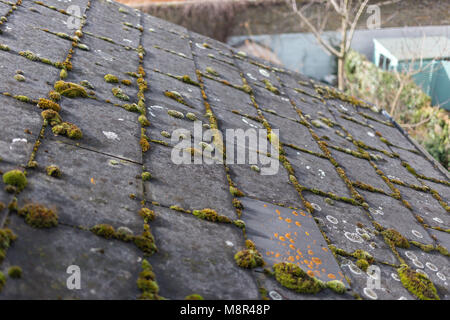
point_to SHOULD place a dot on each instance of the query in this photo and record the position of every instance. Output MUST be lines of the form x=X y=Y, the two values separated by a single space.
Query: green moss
x=2 y=280
x=188 y=80
x=417 y=283
x=239 y=224
x=146 y=176
x=147 y=284
x=63 y=74
x=48 y=104
x=6 y=238
x=15 y=272
x=143 y=120
x=70 y=89
x=126 y=82
x=194 y=297
x=236 y=192
x=68 y=129
x=119 y=94
x=249 y=258
x=111 y=78
x=19 y=77
x=52 y=117
x=337 y=286
x=211 y=71
x=147 y=214
x=246 y=88
x=210 y=215
x=175 y=114
x=131 y=107
x=396 y=237
x=361 y=254
x=362 y=264
x=15 y=178
x=293 y=277
x=39 y=216
x=103 y=230
x=191 y=116
x=146 y=241
x=4 y=47
x=87 y=84
x=174 y=95
x=166 y=134
x=55 y=96
x=255 y=168
x=53 y=171
x=271 y=87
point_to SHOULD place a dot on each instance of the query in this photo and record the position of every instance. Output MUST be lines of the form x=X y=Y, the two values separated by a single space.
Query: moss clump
x=143 y=120
x=175 y=114
x=271 y=87
x=396 y=238
x=417 y=283
x=146 y=282
x=362 y=264
x=188 y=80
x=2 y=280
x=246 y=88
x=147 y=214
x=146 y=241
x=55 y=96
x=53 y=171
x=52 y=117
x=15 y=272
x=239 y=224
x=146 y=176
x=126 y=82
x=145 y=146
x=6 y=238
x=39 y=216
x=293 y=277
x=111 y=78
x=104 y=230
x=15 y=178
x=210 y=215
x=19 y=78
x=70 y=89
x=194 y=297
x=191 y=116
x=68 y=129
x=119 y=94
x=249 y=258
x=211 y=71
x=236 y=192
x=337 y=286
x=166 y=134
x=63 y=74
x=48 y=104
x=361 y=254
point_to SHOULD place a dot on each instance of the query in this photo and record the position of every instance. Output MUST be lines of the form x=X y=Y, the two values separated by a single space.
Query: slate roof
x=347 y=173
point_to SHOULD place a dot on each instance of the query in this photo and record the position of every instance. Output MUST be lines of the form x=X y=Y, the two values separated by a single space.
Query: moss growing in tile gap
x=194 y=296
x=104 y=230
x=70 y=90
x=48 y=104
x=7 y=237
x=368 y=187
x=147 y=284
x=396 y=238
x=293 y=277
x=180 y=209
x=68 y=129
x=110 y=78
x=39 y=216
x=249 y=258
x=417 y=283
x=174 y=95
x=146 y=241
x=119 y=94
x=53 y=171
x=210 y=215
x=147 y=214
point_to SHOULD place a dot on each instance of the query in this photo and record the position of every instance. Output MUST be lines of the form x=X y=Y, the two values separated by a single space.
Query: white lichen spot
x=111 y=135
x=229 y=243
x=332 y=219
x=431 y=266
x=251 y=76
x=395 y=276
x=370 y=293
x=321 y=173
x=417 y=234
x=18 y=144
x=316 y=206
x=438 y=220
x=370 y=134
x=198 y=45
x=353 y=237
x=354 y=269
x=264 y=73
x=275 y=295
x=411 y=255
x=441 y=276
x=418 y=264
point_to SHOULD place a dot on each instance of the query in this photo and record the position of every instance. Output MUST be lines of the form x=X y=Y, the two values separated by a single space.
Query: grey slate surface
x=101 y=173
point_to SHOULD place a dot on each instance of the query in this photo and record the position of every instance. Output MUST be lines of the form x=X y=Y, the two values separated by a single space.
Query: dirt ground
x=221 y=19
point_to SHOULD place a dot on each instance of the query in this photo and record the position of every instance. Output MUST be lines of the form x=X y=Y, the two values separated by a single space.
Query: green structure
x=427 y=58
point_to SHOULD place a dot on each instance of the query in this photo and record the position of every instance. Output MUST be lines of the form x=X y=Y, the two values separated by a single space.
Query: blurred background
x=395 y=54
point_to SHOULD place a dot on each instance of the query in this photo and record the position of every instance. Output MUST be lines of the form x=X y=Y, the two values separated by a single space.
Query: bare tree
x=349 y=12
